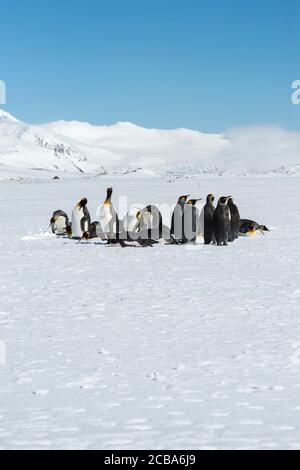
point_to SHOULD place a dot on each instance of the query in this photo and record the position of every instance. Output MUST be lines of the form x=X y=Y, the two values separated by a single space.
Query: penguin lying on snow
x=60 y=224
x=81 y=220
x=221 y=221
x=95 y=231
x=250 y=227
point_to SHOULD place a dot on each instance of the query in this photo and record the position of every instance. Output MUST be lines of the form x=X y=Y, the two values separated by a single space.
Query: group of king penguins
x=216 y=225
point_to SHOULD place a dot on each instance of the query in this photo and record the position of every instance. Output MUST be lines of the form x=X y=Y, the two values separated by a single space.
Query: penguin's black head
x=52 y=220
x=183 y=198
x=193 y=201
x=210 y=198
x=83 y=202
x=223 y=200
x=230 y=200
x=109 y=192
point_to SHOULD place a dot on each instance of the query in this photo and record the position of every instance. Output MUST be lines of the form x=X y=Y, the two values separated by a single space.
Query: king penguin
x=177 y=224
x=151 y=225
x=221 y=221
x=234 y=220
x=130 y=221
x=191 y=220
x=250 y=227
x=109 y=220
x=206 y=220
x=81 y=220
x=60 y=224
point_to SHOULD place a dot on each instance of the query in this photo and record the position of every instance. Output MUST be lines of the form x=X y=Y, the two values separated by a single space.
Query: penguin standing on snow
x=150 y=222
x=60 y=224
x=109 y=220
x=206 y=220
x=191 y=220
x=177 y=224
x=221 y=221
x=151 y=225
x=130 y=221
x=145 y=226
x=235 y=220
x=81 y=220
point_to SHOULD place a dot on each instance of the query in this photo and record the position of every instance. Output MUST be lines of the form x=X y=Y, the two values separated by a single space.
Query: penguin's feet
x=85 y=236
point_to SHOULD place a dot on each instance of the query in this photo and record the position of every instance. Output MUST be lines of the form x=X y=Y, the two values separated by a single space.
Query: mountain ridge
x=75 y=147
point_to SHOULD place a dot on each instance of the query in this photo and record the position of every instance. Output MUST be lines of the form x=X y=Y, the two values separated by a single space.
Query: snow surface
x=77 y=147
x=165 y=347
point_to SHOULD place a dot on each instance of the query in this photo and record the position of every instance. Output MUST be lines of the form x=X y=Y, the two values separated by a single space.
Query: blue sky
x=206 y=65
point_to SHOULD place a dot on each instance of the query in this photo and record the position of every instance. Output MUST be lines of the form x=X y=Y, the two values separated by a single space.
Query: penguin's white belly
x=77 y=215
x=130 y=220
x=107 y=220
x=60 y=225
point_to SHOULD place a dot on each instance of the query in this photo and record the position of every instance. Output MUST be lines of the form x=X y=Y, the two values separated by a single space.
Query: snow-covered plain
x=165 y=347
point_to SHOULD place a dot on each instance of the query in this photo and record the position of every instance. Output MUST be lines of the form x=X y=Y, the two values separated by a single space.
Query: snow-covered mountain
x=77 y=147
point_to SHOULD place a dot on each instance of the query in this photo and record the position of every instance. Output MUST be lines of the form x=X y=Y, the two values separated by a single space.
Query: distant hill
x=81 y=148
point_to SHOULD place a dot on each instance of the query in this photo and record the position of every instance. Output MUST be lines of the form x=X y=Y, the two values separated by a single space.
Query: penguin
x=145 y=226
x=81 y=220
x=95 y=231
x=206 y=220
x=250 y=227
x=177 y=224
x=109 y=221
x=130 y=221
x=234 y=220
x=221 y=221
x=150 y=222
x=60 y=224
x=151 y=225
x=191 y=220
